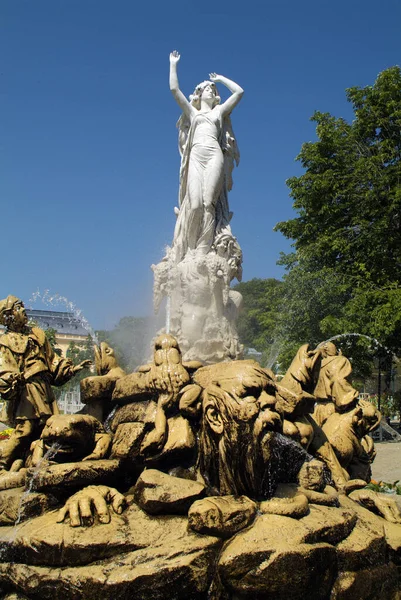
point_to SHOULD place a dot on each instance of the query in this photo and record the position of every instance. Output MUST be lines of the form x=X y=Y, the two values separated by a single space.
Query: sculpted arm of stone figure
x=236 y=93
x=175 y=88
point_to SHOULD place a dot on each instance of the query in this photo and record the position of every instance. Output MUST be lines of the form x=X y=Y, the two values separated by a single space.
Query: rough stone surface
x=267 y=559
x=17 y=505
x=42 y=541
x=374 y=583
x=178 y=566
x=100 y=388
x=221 y=515
x=364 y=546
x=393 y=540
x=390 y=532
x=158 y=493
x=127 y=440
x=71 y=475
x=328 y=524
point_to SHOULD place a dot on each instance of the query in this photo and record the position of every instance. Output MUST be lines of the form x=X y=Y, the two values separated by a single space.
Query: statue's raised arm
x=175 y=88
x=236 y=92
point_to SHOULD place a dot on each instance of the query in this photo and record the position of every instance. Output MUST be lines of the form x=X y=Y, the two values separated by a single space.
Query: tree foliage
x=349 y=198
x=347 y=235
x=51 y=333
x=344 y=274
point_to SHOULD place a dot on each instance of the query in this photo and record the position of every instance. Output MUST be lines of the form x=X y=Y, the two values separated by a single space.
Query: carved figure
x=96 y=391
x=197 y=270
x=239 y=422
x=64 y=439
x=332 y=390
x=159 y=382
x=339 y=420
x=74 y=437
x=106 y=362
x=90 y=503
x=348 y=434
x=208 y=150
x=28 y=369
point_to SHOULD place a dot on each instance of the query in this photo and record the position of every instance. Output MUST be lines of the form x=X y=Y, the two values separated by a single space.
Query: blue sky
x=89 y=159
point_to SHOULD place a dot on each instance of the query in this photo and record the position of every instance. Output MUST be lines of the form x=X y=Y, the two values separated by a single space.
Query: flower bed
x=5 y=434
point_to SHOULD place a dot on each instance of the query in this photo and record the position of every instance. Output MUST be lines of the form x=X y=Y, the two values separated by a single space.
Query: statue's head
x=329 y=349
x=12 y=313
x=73 y=436
x=105 y=359
x=167 y=350
x=366 y=418
x=226 y=246
x=206 y=91
x=239 y=422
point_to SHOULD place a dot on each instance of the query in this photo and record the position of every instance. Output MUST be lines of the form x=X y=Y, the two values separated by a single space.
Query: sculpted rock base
x=134 y=556
x=225 y=489
x=15 y=505
x=323 y=555
x=158 y=493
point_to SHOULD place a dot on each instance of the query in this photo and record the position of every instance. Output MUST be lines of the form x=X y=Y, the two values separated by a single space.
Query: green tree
x=80 y=352
x=51 y=336
x=347 y=235
x=77 y=353
x=257 y=324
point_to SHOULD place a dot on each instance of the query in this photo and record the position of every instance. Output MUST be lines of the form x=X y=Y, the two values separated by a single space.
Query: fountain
x=199 y=475
x=56 y=299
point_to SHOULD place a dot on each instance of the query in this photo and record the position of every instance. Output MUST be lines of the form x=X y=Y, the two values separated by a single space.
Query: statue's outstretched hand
x=379 y=503
x=174 y=57
x=92 y=501
x=85 y=364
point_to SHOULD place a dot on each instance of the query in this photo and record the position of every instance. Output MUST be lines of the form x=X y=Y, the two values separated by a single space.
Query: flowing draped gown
x=203 y=192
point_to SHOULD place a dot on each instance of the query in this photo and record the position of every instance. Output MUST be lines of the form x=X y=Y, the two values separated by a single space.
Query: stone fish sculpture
x=247 y=515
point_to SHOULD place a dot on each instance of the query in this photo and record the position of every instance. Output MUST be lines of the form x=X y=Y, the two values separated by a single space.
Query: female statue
x=208 y=151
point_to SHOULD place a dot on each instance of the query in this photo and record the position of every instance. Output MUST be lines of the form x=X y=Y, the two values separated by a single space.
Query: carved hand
x=90 y=502
x=386 y=507
x=174 y=57
x=215 y=78
x=85 y=364
x=16 y=380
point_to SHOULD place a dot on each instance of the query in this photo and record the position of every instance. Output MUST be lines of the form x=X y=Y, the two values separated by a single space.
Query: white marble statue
x=204 y=258
x=208 y=152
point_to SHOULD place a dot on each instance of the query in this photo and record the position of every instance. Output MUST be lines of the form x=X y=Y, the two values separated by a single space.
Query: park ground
x=387 y=465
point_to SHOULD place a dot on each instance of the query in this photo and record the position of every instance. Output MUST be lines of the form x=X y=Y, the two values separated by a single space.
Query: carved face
x=73 y=434
x=208 y=91
x=239 y=422
x=19 y=315
x=16 y=318
x=329 y=349
x=104 y=358
x=167 y=350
